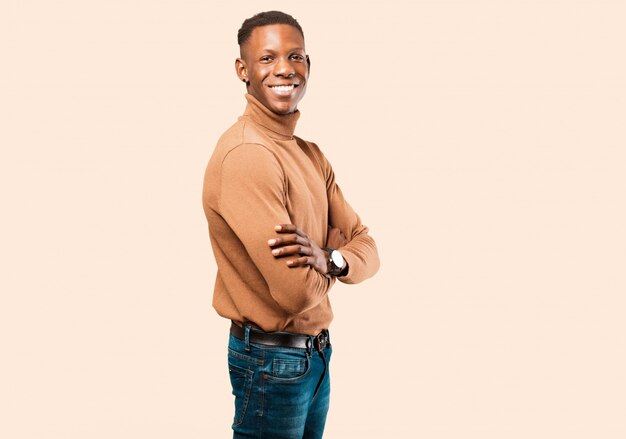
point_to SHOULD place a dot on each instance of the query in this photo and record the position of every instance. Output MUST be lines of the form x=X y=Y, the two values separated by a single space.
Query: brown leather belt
x=282 y=339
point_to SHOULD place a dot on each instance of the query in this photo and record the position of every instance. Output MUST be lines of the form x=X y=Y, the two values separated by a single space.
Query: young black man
x=282 y=233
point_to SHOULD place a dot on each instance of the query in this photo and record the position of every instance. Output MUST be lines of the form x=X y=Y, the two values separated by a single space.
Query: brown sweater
x=261 y=175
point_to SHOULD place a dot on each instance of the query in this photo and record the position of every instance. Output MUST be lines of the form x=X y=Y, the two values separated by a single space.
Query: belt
x=283 y=339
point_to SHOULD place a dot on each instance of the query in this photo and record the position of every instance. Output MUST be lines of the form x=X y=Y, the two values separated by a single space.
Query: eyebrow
x=289 y=51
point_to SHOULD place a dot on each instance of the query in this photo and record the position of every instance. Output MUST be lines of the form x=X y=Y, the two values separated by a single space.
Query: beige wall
x=482 y=142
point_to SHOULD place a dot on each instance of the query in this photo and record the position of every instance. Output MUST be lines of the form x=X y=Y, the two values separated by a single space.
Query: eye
x=297 y=57
x=265 y=58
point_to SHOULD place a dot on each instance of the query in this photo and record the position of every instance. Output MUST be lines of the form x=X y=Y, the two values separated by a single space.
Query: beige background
x=482 y=142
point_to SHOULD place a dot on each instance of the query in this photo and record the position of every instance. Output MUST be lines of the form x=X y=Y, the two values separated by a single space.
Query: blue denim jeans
x=280 y=393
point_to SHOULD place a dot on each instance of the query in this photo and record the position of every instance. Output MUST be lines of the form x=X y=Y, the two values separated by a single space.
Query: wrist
x=337 y=265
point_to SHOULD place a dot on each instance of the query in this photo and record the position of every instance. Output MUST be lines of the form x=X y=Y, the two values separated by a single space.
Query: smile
x=283 y=89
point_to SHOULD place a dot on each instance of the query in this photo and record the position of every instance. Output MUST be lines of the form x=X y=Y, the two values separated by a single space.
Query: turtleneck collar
x=281 y=125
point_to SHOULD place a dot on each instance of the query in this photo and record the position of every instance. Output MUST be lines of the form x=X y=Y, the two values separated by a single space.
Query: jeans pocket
x=241 y=381
x=289 y=367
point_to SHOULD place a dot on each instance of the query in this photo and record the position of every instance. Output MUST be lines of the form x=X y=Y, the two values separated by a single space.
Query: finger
x=288 y=240
x=292 y=250
x=286 y=228
x=300 y=262
x=290 y=228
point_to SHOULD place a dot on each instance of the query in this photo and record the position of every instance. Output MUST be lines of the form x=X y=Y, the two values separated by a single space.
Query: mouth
x=283 y=89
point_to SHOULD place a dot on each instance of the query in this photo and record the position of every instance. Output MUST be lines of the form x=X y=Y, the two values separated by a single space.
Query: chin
x=283 y=108
x=284 y=111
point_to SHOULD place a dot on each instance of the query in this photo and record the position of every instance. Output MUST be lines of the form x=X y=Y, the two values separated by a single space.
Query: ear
x=242 y=70
x=308 y=62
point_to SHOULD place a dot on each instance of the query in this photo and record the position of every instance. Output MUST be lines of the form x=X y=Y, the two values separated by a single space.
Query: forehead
x=274 y=37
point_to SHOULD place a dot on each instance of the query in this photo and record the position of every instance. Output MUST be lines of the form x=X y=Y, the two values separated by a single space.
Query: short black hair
x=265 y=19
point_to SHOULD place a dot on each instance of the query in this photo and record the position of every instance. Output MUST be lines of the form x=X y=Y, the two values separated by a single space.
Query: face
x=274 y=62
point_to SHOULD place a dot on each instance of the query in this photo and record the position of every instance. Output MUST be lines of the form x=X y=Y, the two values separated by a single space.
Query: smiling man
x=282 y=233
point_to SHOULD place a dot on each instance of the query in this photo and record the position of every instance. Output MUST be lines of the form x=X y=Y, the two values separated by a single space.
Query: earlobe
x=240 y=68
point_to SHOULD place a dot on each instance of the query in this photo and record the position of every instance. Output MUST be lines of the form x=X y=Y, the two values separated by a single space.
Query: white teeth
x=283 y=87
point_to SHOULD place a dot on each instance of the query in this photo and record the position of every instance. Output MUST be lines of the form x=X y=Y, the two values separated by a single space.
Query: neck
x=281 y=125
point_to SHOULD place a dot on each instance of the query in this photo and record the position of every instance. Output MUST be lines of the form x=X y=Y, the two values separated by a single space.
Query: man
x=282 y=233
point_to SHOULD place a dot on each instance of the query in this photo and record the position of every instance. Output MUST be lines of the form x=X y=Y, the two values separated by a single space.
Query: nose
x=284 y=68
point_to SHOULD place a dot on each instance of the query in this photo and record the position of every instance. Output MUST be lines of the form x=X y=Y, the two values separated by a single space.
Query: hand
x=299 y=248
x=336 y=238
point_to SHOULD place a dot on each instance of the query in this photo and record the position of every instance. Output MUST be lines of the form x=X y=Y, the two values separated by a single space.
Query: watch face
x=337 y=259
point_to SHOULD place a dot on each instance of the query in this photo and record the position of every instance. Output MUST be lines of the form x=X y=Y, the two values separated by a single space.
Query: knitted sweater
x=261 y=175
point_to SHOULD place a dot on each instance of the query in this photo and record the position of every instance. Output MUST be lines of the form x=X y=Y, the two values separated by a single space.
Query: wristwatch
x=336 y=262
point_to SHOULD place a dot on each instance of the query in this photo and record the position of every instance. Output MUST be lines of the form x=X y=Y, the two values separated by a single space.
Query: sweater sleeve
x=360 y=252
x=252 y=201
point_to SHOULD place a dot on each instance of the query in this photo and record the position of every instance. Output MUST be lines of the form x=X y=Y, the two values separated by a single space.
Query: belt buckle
x=320 y=341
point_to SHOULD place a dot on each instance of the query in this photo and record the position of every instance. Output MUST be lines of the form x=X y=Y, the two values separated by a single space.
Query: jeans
x=280 y=392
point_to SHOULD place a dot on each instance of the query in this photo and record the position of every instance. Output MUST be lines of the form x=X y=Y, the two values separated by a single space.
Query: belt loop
x=309 y=345
x=247 y=337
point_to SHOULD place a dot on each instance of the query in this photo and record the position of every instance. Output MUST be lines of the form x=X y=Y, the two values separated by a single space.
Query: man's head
x=273 y=62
